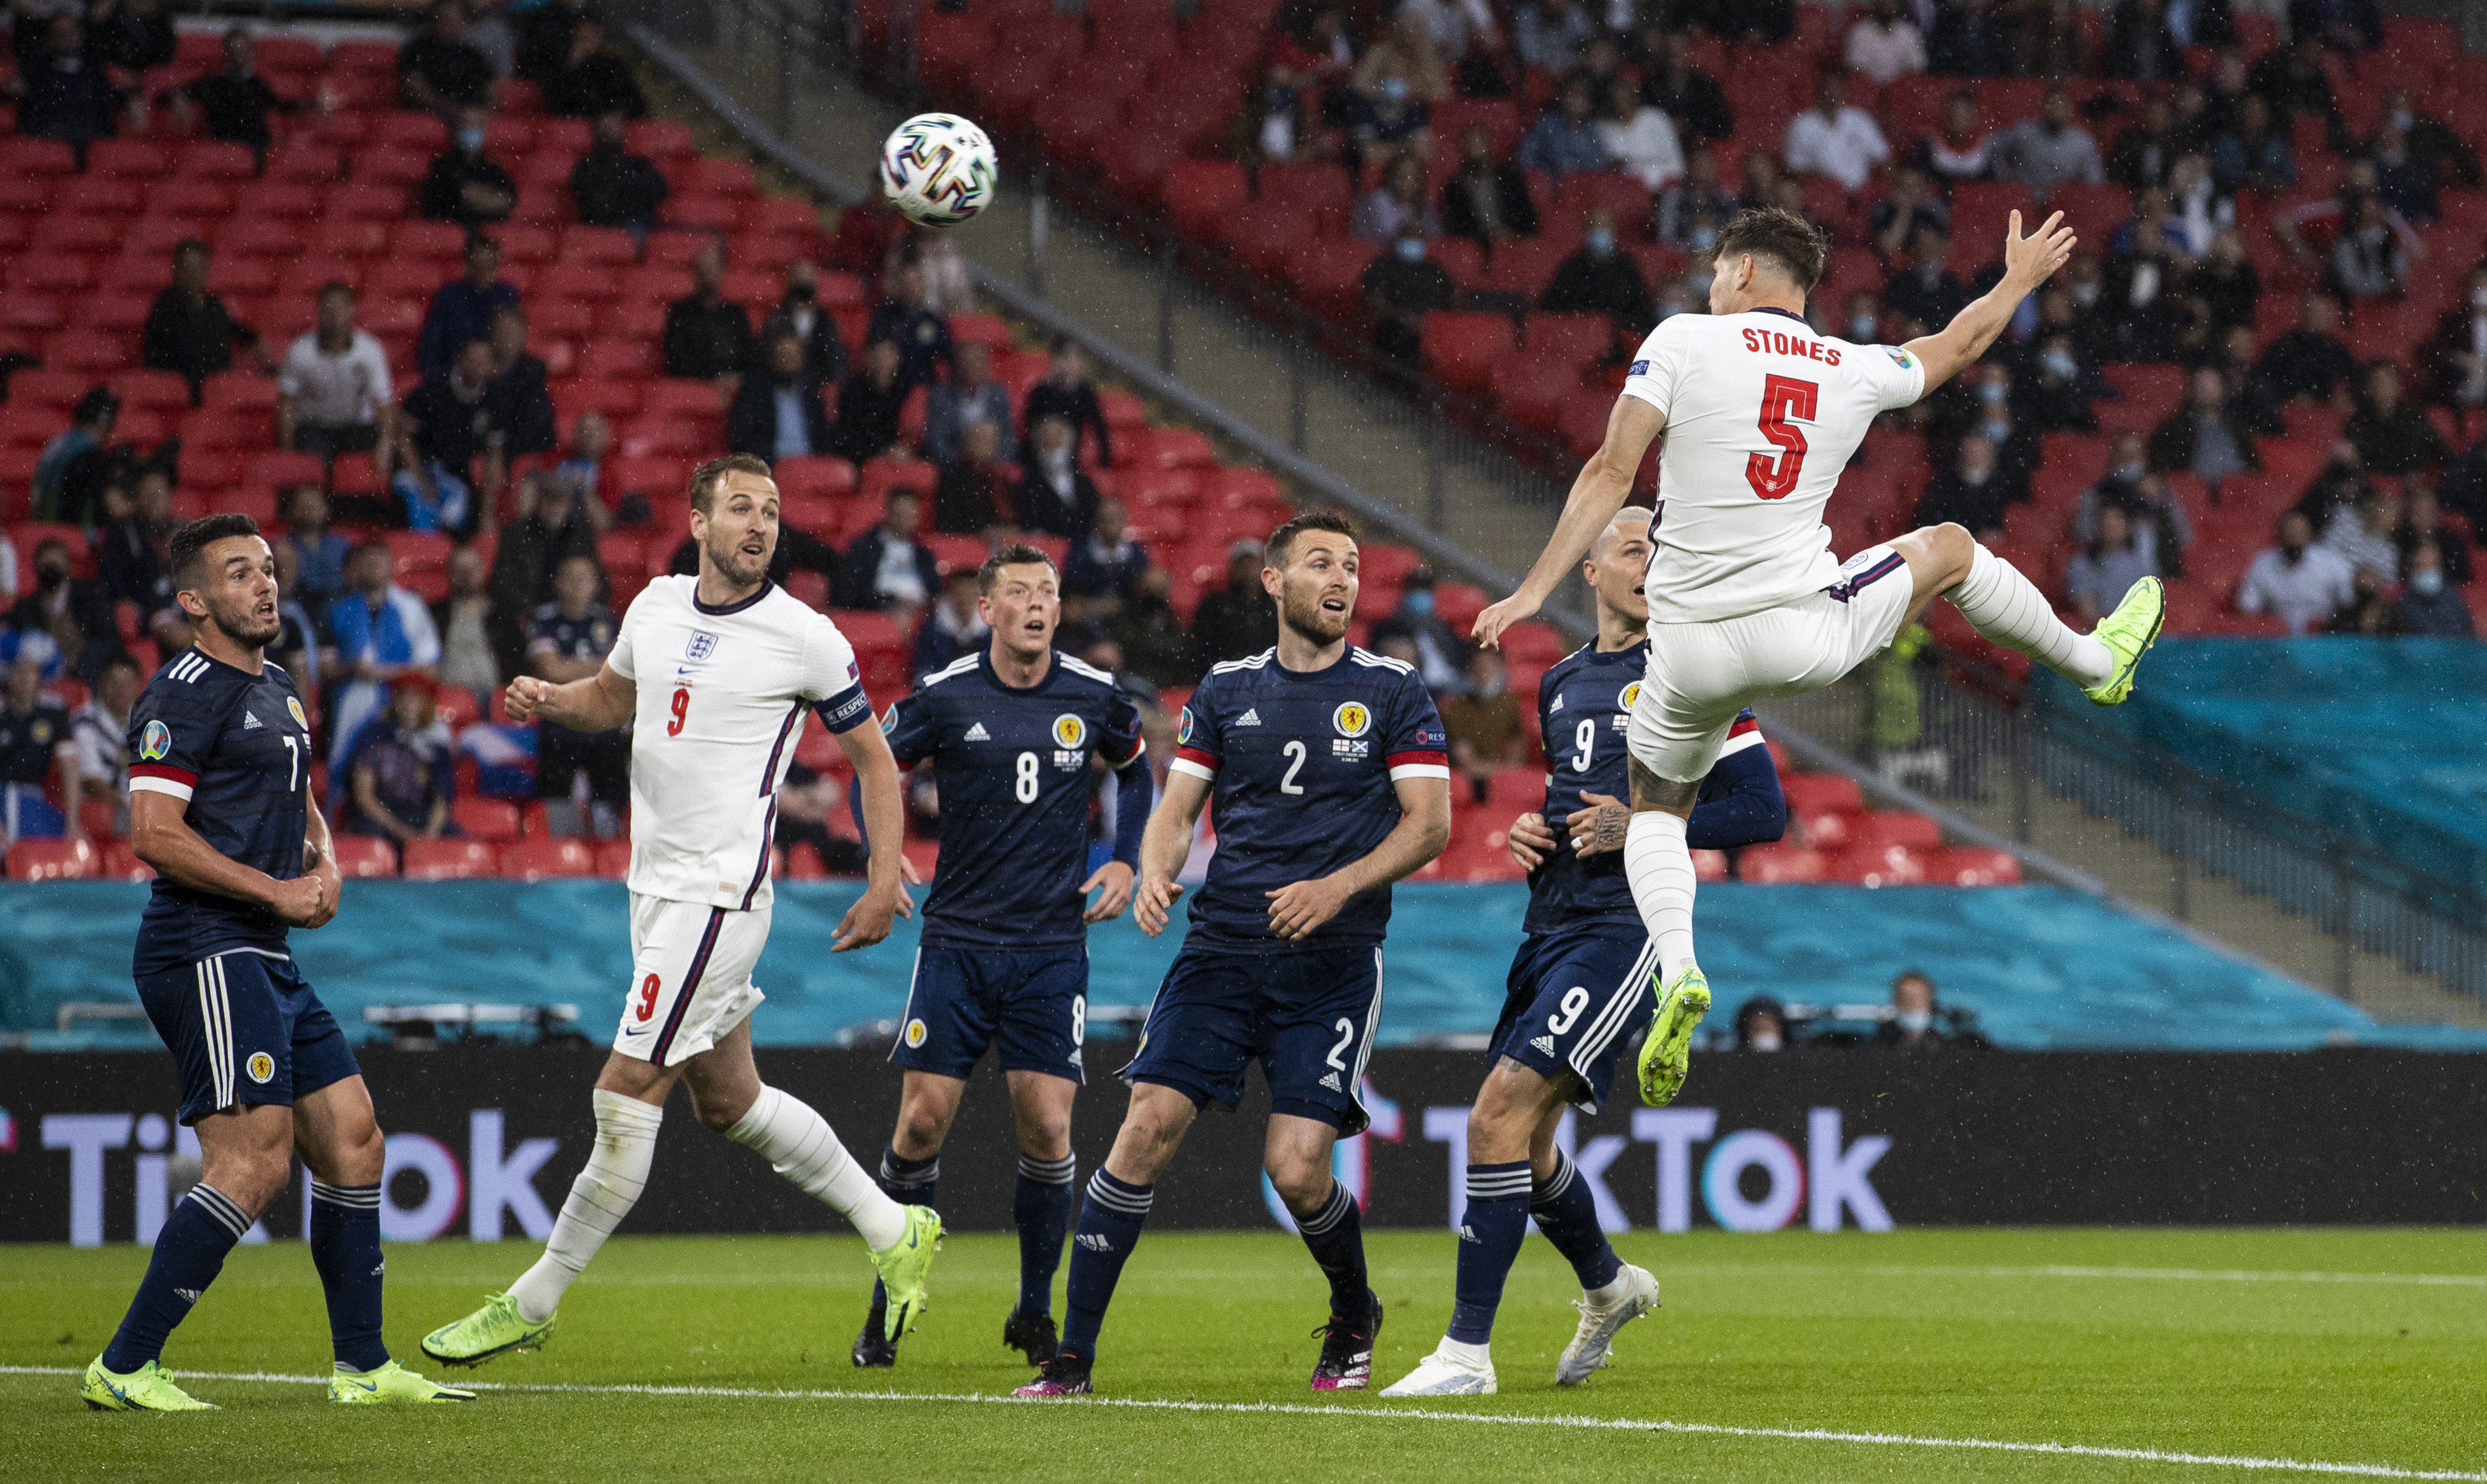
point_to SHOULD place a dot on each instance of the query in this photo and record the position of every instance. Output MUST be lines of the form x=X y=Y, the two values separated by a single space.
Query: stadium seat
x=440 y=860
x=1881 y=828
x=365 y=856
x=493 y=820
x=51 y=860
x=1773 y=865
x=1462 y=348
x=1878 y=865
x=532 y=860
x=1972 y=867
x=612 y=858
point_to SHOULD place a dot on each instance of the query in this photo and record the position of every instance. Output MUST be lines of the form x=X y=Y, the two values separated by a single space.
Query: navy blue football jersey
x=1301 y=769
x=236 y=748
x=1012 y=770
x=589 y=637
x=1583 y=704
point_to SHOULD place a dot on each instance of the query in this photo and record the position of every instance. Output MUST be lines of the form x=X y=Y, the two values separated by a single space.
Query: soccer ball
x=938 y=169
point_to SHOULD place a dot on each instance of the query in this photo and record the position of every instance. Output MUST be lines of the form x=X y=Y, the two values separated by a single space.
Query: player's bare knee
x=720 y=1110
x=1046 y=1135
x=1303 y=1184
x=922 y=1126
x=1939 y=555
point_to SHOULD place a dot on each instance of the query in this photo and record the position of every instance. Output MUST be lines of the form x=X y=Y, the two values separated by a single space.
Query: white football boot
x=1453 y=1369
x=1633 y=1294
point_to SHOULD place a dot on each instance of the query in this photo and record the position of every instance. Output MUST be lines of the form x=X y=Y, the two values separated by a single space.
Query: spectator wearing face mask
x=1911 y=1026
x=2097 y=578
x=1640 y=139
x=1599 y=278
x=2301 y=583
x=73 y=613
x=1967 y=494
x=1691 y=211
x=2161 y=528
x=2057 y=396
x=1441 y=655
x=1400 y=199
x=1053 y=496
x=1761 y=1024
x=798 y=313
x=462 y=186
x=2203 y=437
x=1836 y=138
x=1400 y=289
x=2429 y=605
x=1065 y=392
x=1485 y=200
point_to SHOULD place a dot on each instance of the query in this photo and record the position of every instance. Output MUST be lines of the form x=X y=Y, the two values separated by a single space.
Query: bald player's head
x=1618 y=564
x=1630 y=521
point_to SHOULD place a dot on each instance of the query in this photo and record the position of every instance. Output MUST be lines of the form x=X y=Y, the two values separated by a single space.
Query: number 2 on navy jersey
x=1782 y=397
x=1288 y=784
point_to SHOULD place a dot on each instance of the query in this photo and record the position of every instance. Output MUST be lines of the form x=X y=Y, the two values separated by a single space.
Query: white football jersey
x=723 y=694
x=1762 y=414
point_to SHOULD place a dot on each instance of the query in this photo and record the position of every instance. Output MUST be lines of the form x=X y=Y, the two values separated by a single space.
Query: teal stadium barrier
x=2382 y=741
x=2044 y=967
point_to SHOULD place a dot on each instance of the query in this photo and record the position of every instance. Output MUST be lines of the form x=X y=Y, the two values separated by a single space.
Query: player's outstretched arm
x=1164 y=849
x=885 y=814
x=1603 y=483
x=164 y=838
x=2028 y=262
x=599 y=703
x=1424 y=827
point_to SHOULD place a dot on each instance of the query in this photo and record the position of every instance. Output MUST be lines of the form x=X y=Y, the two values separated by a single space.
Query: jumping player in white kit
x=715 y=672
x=1746 y=601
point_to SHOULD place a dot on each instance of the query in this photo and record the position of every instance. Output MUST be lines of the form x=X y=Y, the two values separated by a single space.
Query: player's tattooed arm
x=1531 y=842
x=164 y=839
x=1164 y=849
x=1297 y=911
x=1599 y=828
x=1603 y=483
x=598 y=703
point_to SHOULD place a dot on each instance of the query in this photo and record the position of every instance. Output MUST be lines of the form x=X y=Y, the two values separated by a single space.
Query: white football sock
x=1658 y=865
x=602 y=1194
x=796 y=1140
x=2007 y=608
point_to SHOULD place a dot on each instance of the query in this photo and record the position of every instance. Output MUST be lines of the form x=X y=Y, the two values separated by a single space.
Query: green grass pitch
x=2157 y=1355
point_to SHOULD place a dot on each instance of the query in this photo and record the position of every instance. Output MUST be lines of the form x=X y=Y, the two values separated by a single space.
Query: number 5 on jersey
x=1782 y=397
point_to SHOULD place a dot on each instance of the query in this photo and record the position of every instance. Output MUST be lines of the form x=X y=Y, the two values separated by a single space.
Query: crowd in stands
x=2282 y=215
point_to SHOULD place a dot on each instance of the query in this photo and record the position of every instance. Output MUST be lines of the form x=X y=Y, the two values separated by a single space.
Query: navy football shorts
x=1308 y=1018
x=1034 y=1002
x=245 y=1028
x=1572 y=999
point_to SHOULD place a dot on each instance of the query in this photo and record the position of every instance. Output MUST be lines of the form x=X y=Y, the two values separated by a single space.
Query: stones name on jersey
x=1012 y=769
x=235 y=749
x=1302 y=768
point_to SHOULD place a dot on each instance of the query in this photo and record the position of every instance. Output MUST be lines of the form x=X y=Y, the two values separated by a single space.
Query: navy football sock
x=1110 y=1227
x=910 y=1183
x=1566 y=1212
x=1041 y=1210
x=346 y=1249
x=189 y=1252
x=1491 y=1231
x=1335 y=1234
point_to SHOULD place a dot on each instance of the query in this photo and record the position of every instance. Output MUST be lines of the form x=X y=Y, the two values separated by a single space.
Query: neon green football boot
x=390 y=1384
x=148 y=1389
x=2128 y=634
x=1664 y=1056
x=494 y=1329
x=902 y=1266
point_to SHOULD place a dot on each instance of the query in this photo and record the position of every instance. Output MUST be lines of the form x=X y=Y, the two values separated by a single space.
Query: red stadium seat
x=365 y=856
x=51 y=860
x=440 y=860
x=1462 y=348
x=1773 y=865
x=612 y=858
x=1201 y=193
x=533 y=860
x=1973 y=868
x=493 y=820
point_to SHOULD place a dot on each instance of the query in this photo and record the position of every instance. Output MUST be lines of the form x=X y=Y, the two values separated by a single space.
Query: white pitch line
x=1411 y=1414
x=2072 y=1270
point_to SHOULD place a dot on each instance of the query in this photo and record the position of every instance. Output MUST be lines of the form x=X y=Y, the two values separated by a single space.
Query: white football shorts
x=1701 y=675
x=691 y=977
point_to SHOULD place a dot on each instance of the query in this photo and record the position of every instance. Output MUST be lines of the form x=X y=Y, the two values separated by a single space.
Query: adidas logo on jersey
x=1330 y=1079
x=977 y=733
x=1251 y=717
x=249 y=721
x=1543 y=1046
x=1557 y=706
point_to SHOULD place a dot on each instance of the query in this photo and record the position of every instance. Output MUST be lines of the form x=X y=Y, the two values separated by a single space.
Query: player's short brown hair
x=1274 y=552
x=1016 y=554
x=1796 y=245
x=709 y=476
x=189 y=544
